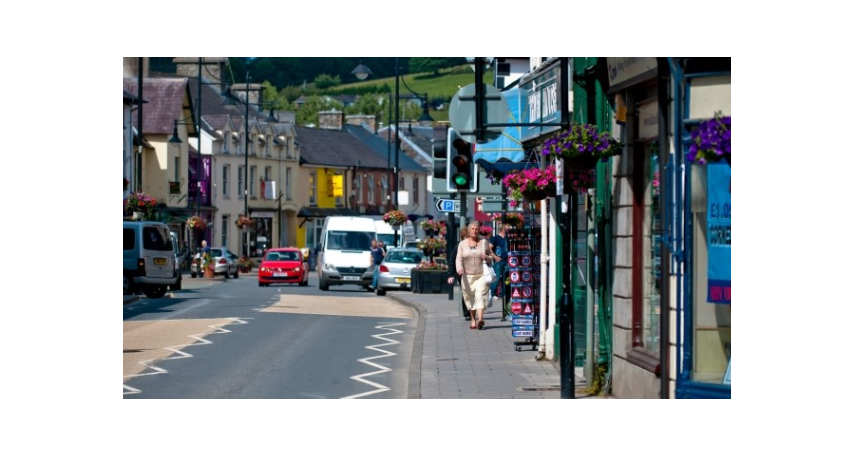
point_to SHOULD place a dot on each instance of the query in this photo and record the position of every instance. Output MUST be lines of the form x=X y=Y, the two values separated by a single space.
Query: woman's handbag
x=489 y=273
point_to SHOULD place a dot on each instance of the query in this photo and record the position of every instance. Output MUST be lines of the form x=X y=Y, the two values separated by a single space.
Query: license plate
x=280 y=274
x=402 y=280
x=160 y=261
x=351 y=278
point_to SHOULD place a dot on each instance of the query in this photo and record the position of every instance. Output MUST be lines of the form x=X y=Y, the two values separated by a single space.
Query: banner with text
x=718 y=233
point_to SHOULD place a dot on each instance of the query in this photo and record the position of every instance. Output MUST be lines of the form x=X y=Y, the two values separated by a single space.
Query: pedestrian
x=500 y=247
x=377 y=255
x=453 y=275
x=472 y=253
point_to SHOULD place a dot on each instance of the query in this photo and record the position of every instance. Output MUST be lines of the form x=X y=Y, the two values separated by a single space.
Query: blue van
x=149 y=259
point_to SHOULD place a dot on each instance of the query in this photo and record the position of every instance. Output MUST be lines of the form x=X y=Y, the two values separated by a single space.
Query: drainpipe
x=663 y=82
x=544 y=273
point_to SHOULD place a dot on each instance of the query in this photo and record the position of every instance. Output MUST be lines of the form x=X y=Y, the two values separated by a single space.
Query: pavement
x=451 y=361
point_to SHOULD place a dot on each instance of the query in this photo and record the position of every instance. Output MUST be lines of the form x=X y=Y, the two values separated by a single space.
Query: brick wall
x=331 y=120
x=358 y=120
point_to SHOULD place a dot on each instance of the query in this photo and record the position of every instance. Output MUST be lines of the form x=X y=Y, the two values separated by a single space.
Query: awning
x=508 y=145
x=321 y=212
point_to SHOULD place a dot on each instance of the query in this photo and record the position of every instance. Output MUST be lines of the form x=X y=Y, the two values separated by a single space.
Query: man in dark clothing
x=377 y=254
x=500 y=248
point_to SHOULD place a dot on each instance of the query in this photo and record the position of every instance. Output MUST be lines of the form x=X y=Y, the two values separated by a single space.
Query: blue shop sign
x=540 y=101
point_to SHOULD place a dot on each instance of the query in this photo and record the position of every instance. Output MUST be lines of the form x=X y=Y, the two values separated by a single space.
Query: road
x=234 y=339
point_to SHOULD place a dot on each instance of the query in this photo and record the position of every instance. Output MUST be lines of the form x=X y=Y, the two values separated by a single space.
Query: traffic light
x=461 y=171
x=440 y=162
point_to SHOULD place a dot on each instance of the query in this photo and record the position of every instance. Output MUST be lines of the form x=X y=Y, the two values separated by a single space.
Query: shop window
x=711 y=320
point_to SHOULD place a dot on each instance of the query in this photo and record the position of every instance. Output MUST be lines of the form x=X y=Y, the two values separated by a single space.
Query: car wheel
x=381 y=292
x=177 y=285
x=305 y=283
x=193 y=275
x=129 y=285
x=236 y=274
x=155 y=291
x=260 y=284
x=323 y=285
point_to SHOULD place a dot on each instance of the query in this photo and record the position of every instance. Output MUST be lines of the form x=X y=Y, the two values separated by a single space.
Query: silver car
x=396 y=269
x=224 y=263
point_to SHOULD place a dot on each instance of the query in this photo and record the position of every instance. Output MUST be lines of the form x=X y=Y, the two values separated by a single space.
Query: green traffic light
x=461 y=180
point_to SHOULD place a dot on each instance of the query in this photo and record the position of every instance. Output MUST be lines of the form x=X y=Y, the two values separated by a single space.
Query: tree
x=308 y=113
x=426 y=65
x=325 y=81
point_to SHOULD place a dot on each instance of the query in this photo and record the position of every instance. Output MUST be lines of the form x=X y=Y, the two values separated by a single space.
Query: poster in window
x=718 y=233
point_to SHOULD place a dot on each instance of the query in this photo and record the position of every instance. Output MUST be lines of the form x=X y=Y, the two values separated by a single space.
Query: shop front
x=704 y=329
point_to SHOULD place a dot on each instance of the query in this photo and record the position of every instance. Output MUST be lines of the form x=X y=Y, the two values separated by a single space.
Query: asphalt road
x=233 y=339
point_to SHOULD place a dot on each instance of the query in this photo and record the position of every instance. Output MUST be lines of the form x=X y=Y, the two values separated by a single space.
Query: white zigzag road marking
x=382 y=369
x=175 y=351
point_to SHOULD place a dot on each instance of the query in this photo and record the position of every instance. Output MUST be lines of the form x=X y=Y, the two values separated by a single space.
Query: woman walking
x=472 y=252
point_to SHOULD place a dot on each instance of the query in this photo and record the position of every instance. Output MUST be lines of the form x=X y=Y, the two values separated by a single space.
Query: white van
x=386 y=234
x=344 y=253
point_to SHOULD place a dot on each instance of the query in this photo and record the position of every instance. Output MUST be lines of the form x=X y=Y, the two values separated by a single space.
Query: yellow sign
x=335 y=185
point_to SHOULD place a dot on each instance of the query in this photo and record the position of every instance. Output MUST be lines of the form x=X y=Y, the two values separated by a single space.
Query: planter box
x=430 y=282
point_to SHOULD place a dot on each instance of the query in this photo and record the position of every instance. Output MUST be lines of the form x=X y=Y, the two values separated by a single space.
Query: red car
x=283 y=265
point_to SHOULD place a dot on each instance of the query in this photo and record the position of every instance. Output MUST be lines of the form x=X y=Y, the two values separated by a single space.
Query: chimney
x=370 y=122
x=254 y=91
x=188 y=67
x=331 y=120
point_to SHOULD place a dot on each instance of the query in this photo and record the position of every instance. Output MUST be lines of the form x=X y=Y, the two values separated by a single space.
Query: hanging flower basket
x=511 y=218
x=581 y=147
x=531 y=184
x=710 y=141
x=395 y=218
x=140 y=206
x=577 y=181
x=196 y=222
x=533 y=195
x=243 y=221
x=486 y=231
x=431 y=227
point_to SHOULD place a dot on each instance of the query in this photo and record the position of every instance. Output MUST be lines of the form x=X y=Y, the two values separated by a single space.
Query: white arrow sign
x=446 y=205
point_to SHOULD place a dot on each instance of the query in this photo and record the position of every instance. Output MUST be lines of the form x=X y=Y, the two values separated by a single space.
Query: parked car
x=177 y=270
x=396 y=269
x=223 y=263
x=283 y=265
x=149 y=258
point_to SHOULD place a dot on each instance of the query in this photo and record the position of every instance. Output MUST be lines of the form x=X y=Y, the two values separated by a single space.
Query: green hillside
x=439 y=88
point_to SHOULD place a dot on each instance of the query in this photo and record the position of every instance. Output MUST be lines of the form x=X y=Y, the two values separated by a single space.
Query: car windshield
x=403 y=257
x=350 y=240
x=281 y=256
x=216 y=252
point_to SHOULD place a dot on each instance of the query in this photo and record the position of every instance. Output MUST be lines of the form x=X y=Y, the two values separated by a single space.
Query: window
x=401 y=184
x=177 y=166
x=358 y=184
x=339 y=200
x=241 y=186
x=313 y=197
x=711 y=321
x=652 y=235
x=415 y=191
x=225 y=184
x=371 y=196
x=226 y=142
x=252 y=181
x=288 y=184
x=267 y=172
x=224 y=232
x=287 y=148
x=313 y=233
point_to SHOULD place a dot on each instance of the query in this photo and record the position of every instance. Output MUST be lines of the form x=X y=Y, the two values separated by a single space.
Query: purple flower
x=710 y=140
